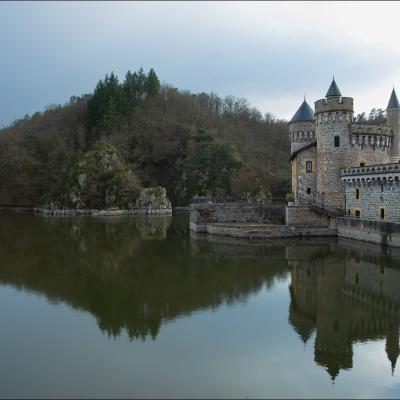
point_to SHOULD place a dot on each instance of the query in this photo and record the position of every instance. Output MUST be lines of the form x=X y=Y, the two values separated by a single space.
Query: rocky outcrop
x=153 y=198
x=100 y=183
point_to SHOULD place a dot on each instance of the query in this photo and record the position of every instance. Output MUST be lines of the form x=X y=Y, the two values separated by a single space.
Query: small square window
x=362 y=164
x=308 y=190
x=337 y=141
x=308 y=166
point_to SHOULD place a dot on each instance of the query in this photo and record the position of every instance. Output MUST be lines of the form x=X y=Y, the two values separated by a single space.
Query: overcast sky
x=271 y=53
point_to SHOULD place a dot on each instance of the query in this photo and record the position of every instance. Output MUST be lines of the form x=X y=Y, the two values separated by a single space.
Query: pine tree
x=106 y=105
x=141 y=82
x=152 y=84
x=130 y=92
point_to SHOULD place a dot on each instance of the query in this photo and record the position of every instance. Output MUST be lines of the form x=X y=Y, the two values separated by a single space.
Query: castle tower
x=303 y=152
x=333 y=118
x=302 y=127
x=392 y=345
x=333 y=348
x=393 y=120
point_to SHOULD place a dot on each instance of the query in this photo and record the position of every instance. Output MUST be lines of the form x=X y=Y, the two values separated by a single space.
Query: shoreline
x=84 y=212
x=259 y=231
x=102 y=213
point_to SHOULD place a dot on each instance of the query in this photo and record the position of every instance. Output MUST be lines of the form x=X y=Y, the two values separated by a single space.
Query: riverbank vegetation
x=188 y=143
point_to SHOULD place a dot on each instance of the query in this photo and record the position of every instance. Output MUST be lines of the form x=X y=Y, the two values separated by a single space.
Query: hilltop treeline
x=188 y=143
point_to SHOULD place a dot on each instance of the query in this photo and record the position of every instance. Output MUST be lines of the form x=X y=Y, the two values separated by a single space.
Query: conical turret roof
x=304 y=113
x=393 y=101
x=333 y=90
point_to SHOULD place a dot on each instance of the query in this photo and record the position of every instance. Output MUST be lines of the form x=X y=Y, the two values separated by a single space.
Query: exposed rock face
x=153 y=198
x=100 y=180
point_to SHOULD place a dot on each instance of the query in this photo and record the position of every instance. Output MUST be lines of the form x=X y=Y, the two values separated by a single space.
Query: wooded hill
x=188 y=143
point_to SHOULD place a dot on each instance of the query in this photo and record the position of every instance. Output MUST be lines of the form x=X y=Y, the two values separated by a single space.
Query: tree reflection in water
x=114 y=268
x=134 y=274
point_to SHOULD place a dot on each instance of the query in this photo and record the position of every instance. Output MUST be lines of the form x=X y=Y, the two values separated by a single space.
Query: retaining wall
x=263 y=231
x=236 y=212
x=303 y=215
x=384 y=233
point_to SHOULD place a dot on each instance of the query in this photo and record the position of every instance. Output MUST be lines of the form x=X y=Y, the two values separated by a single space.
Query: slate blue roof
x=304 y=113
x=333 y=90
x=393 y=101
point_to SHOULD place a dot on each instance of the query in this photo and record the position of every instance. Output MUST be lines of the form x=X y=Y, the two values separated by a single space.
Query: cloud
x=272 y=53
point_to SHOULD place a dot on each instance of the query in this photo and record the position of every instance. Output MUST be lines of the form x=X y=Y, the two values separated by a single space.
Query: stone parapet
x=303 y=126
x=384 y=233
x=300 y=134
x=368 y=129
x=236 y=212
x=334 y=104
x=380 y=169
x=263 y=231
x=373 y=136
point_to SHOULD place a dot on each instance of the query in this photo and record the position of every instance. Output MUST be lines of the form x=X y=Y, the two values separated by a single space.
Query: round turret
x=303 y=153
x=393 y=120
x=302 y=127
x=333 y=120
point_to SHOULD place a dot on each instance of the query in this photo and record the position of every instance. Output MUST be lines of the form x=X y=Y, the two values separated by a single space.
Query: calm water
x=139 y=307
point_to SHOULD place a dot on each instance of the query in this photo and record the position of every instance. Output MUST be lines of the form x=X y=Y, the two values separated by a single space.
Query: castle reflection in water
x=134 y=275
x=347 y=296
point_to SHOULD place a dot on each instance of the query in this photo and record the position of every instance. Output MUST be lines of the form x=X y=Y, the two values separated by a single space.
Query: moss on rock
x=99 y=179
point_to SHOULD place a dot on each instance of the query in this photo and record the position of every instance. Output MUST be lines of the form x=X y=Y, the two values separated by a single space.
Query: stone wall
x=378 y=188
x=301 y=180
x=333 y=118
x=301 y=134
x=393 y=120
x=303 y=215
x=358 y=143
x=267 y=232
x=384 y=233
x=236 y=212
x=370 y=144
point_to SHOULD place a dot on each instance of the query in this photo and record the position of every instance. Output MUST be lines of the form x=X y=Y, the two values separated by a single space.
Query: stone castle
x=339 y=304
x=345 y=167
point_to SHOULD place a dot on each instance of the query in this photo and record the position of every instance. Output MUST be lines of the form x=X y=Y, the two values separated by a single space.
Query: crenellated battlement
x=330 y=104
x=303 y=126
x=302 y=131
x=374 y=136
x=324 y=142
x=371 y=170
x=384 y=174
x=368 y=129
x=333 y=116
x=363 y=141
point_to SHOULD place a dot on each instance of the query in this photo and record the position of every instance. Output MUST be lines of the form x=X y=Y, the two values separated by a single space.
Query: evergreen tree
x=130 y=92
x=152 y=84
x=141 y=83
x=106 y=105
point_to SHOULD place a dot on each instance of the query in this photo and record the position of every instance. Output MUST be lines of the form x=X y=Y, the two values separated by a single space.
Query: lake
x=141 y=307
